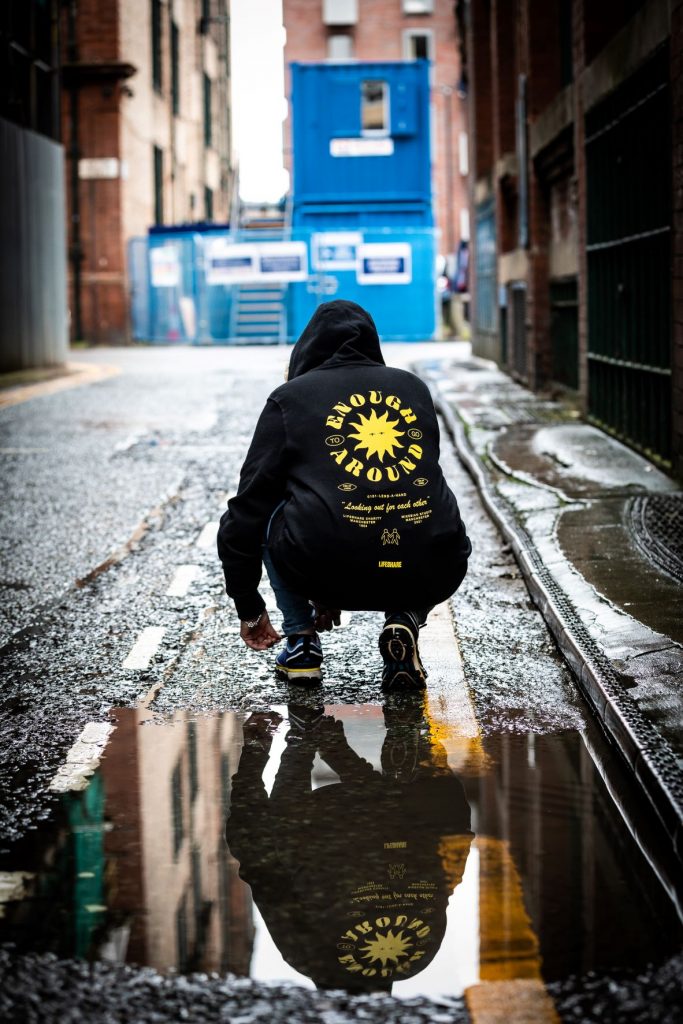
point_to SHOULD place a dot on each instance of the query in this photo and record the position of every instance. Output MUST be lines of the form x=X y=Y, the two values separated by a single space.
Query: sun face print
x=388 y=948
x=377 y=434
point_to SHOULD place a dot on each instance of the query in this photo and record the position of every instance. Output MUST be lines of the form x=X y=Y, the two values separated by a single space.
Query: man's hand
x=326 y=618
x=261 y=636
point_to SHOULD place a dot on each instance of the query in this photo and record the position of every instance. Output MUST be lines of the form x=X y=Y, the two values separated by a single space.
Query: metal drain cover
x=657 y=523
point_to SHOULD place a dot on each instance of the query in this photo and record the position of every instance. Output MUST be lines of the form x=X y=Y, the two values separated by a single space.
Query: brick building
x=146 y=127
x=372 y=30
x=576 y=121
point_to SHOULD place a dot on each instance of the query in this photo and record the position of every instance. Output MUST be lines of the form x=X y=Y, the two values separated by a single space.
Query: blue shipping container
x=361 y=136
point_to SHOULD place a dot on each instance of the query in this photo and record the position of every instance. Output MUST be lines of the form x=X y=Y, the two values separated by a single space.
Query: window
x=339 y=47
x=208 y=122
x=340 y=12
x=374 y=107
x=208 y=203
x=463 y=154
x=156 y=44
x=418 y=6
x=175 y=68
x=158 y=185
x=418 y=44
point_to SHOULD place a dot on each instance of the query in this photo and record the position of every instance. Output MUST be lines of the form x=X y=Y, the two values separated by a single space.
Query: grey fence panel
x=33 y=301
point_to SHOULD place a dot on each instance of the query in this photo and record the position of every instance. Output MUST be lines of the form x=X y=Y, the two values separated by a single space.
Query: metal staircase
x=259 y=313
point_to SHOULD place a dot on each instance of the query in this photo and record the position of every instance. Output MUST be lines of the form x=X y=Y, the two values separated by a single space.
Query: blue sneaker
x=403 y=669
x=300 y=659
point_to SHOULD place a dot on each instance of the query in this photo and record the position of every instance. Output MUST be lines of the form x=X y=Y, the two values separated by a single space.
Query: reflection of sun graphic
x=377 y=434
x=387 y=948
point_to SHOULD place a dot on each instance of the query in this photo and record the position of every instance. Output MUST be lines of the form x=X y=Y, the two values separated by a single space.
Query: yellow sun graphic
x=387 y=948
x=377 y=434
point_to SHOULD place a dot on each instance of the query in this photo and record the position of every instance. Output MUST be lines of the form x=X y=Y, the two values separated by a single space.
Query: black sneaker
x=403 y=669
x=304 y=721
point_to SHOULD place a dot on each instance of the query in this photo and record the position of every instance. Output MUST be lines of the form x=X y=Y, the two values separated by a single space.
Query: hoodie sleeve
x=243 y=526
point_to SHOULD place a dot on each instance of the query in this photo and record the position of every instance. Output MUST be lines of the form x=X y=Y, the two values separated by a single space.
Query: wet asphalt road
x=108 y=489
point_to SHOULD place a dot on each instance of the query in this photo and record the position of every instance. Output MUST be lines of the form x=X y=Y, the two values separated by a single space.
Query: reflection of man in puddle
x=352 y=879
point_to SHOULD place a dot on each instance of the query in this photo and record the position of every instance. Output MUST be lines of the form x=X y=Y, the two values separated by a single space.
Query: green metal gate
x=628 y=174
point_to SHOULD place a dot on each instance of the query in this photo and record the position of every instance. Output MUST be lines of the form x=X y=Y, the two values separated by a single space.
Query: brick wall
x=124 y=118
x=379 y=36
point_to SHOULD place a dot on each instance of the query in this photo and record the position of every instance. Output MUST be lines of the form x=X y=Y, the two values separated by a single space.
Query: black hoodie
x=349 y=449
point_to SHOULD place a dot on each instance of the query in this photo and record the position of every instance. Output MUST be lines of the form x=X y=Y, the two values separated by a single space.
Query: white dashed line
x=82 y=759
x=13 y=887
x=207 y=538
x=185 y=575
x=145 y=647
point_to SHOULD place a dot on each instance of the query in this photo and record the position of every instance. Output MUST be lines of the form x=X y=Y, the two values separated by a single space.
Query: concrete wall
x=33 y=313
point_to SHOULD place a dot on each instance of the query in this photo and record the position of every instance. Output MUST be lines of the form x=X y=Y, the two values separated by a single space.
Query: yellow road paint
x=75 y=375
x=511 y=989
x=518 y=1001
x=450 y=712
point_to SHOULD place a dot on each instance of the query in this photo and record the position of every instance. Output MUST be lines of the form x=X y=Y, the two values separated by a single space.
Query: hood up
x=338 y=332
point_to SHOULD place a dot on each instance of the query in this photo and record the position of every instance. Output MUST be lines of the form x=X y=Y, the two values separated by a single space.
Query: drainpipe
x=75 y=249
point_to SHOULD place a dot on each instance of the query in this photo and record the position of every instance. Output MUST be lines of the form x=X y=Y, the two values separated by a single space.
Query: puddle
x=357 y=847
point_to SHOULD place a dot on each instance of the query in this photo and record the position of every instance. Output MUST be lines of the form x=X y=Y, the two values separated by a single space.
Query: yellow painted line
x=517 y=1001
x=75 y=375
x=511 y=989
x=450 y=711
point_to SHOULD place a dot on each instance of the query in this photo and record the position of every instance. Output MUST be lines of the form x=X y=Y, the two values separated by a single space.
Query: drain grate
x=657 y=523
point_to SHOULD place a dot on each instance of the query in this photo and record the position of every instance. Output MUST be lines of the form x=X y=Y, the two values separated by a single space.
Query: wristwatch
x=252 y=623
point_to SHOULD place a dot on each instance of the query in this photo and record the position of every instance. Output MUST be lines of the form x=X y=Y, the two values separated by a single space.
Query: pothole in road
x=359 y=847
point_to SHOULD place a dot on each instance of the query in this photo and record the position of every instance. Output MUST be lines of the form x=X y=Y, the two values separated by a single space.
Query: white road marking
x=207 y=538
x=145 y=647
x=13 y=887
x=82 y=759
x=184 y=577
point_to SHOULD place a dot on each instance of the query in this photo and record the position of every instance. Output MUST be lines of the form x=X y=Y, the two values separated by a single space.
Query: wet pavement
x=598 y=529
x=171 y=813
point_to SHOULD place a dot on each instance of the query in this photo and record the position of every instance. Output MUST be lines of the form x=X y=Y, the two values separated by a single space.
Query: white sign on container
x=384 y=263
x=362 y=147
x=165 y=266
x=335 y=250
x=227 y=263
x=282 y=261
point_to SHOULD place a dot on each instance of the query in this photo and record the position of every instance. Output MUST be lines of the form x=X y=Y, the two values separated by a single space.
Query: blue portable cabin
x=362 y=193
x=182 y=307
